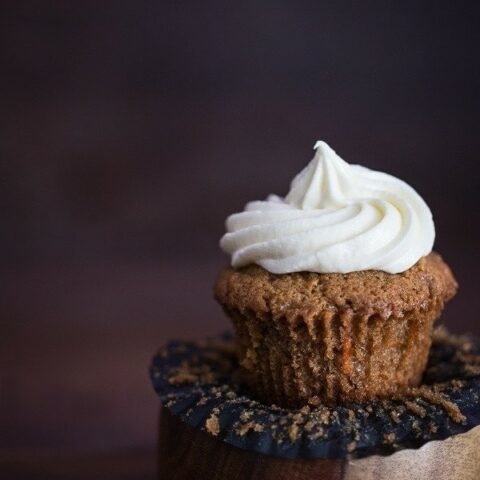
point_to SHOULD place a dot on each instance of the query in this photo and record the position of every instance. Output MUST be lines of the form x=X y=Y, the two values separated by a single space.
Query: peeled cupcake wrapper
x=196 y=384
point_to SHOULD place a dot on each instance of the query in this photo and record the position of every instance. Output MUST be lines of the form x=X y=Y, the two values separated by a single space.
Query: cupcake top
x=336 y=218
x=307 y=295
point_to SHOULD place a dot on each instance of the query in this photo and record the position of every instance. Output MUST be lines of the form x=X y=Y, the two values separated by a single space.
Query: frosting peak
x=336 y=218
x=321 y=184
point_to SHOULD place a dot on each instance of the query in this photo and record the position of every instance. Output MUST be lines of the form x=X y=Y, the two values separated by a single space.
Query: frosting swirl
x=336 y=218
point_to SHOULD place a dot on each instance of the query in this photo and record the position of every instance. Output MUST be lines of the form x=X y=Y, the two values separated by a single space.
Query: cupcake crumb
x=294 y=432
x=389 y=438
x=212 y=425
x=245 y=415
x=415 y=408
x=351 y=446
x=309 y=426
x=244 y=428
x=395 y=416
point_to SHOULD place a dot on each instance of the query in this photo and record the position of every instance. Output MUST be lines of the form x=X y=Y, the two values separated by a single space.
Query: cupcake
x=334 y=289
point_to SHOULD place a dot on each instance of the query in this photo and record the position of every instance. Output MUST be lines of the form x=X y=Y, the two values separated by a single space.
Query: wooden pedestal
x=185 y=453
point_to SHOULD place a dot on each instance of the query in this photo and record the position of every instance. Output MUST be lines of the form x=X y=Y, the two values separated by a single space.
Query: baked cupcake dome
x=310 y=338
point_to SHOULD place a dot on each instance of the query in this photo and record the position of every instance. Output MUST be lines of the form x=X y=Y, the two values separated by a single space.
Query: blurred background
x=130 y=130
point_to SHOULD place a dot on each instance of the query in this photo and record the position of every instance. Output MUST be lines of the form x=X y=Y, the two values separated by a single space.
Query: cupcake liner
x=197 y=383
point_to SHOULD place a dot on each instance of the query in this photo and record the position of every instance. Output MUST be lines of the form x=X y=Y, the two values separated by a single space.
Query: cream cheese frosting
x=335 y=218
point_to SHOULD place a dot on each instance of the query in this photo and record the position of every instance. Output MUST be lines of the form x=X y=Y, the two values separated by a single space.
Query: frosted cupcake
x=333 y=290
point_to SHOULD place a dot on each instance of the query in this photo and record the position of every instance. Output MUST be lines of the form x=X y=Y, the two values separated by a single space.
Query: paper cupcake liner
x=196 y=383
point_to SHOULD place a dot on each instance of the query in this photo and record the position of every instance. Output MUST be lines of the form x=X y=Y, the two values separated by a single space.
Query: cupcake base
x=211 y=428
x=306 y=338
x=333 y=358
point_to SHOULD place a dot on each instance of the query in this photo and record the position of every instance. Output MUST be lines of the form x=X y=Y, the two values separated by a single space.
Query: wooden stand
x=185 y=453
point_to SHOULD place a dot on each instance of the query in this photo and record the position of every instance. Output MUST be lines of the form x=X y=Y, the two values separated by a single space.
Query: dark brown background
x=131 y=129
